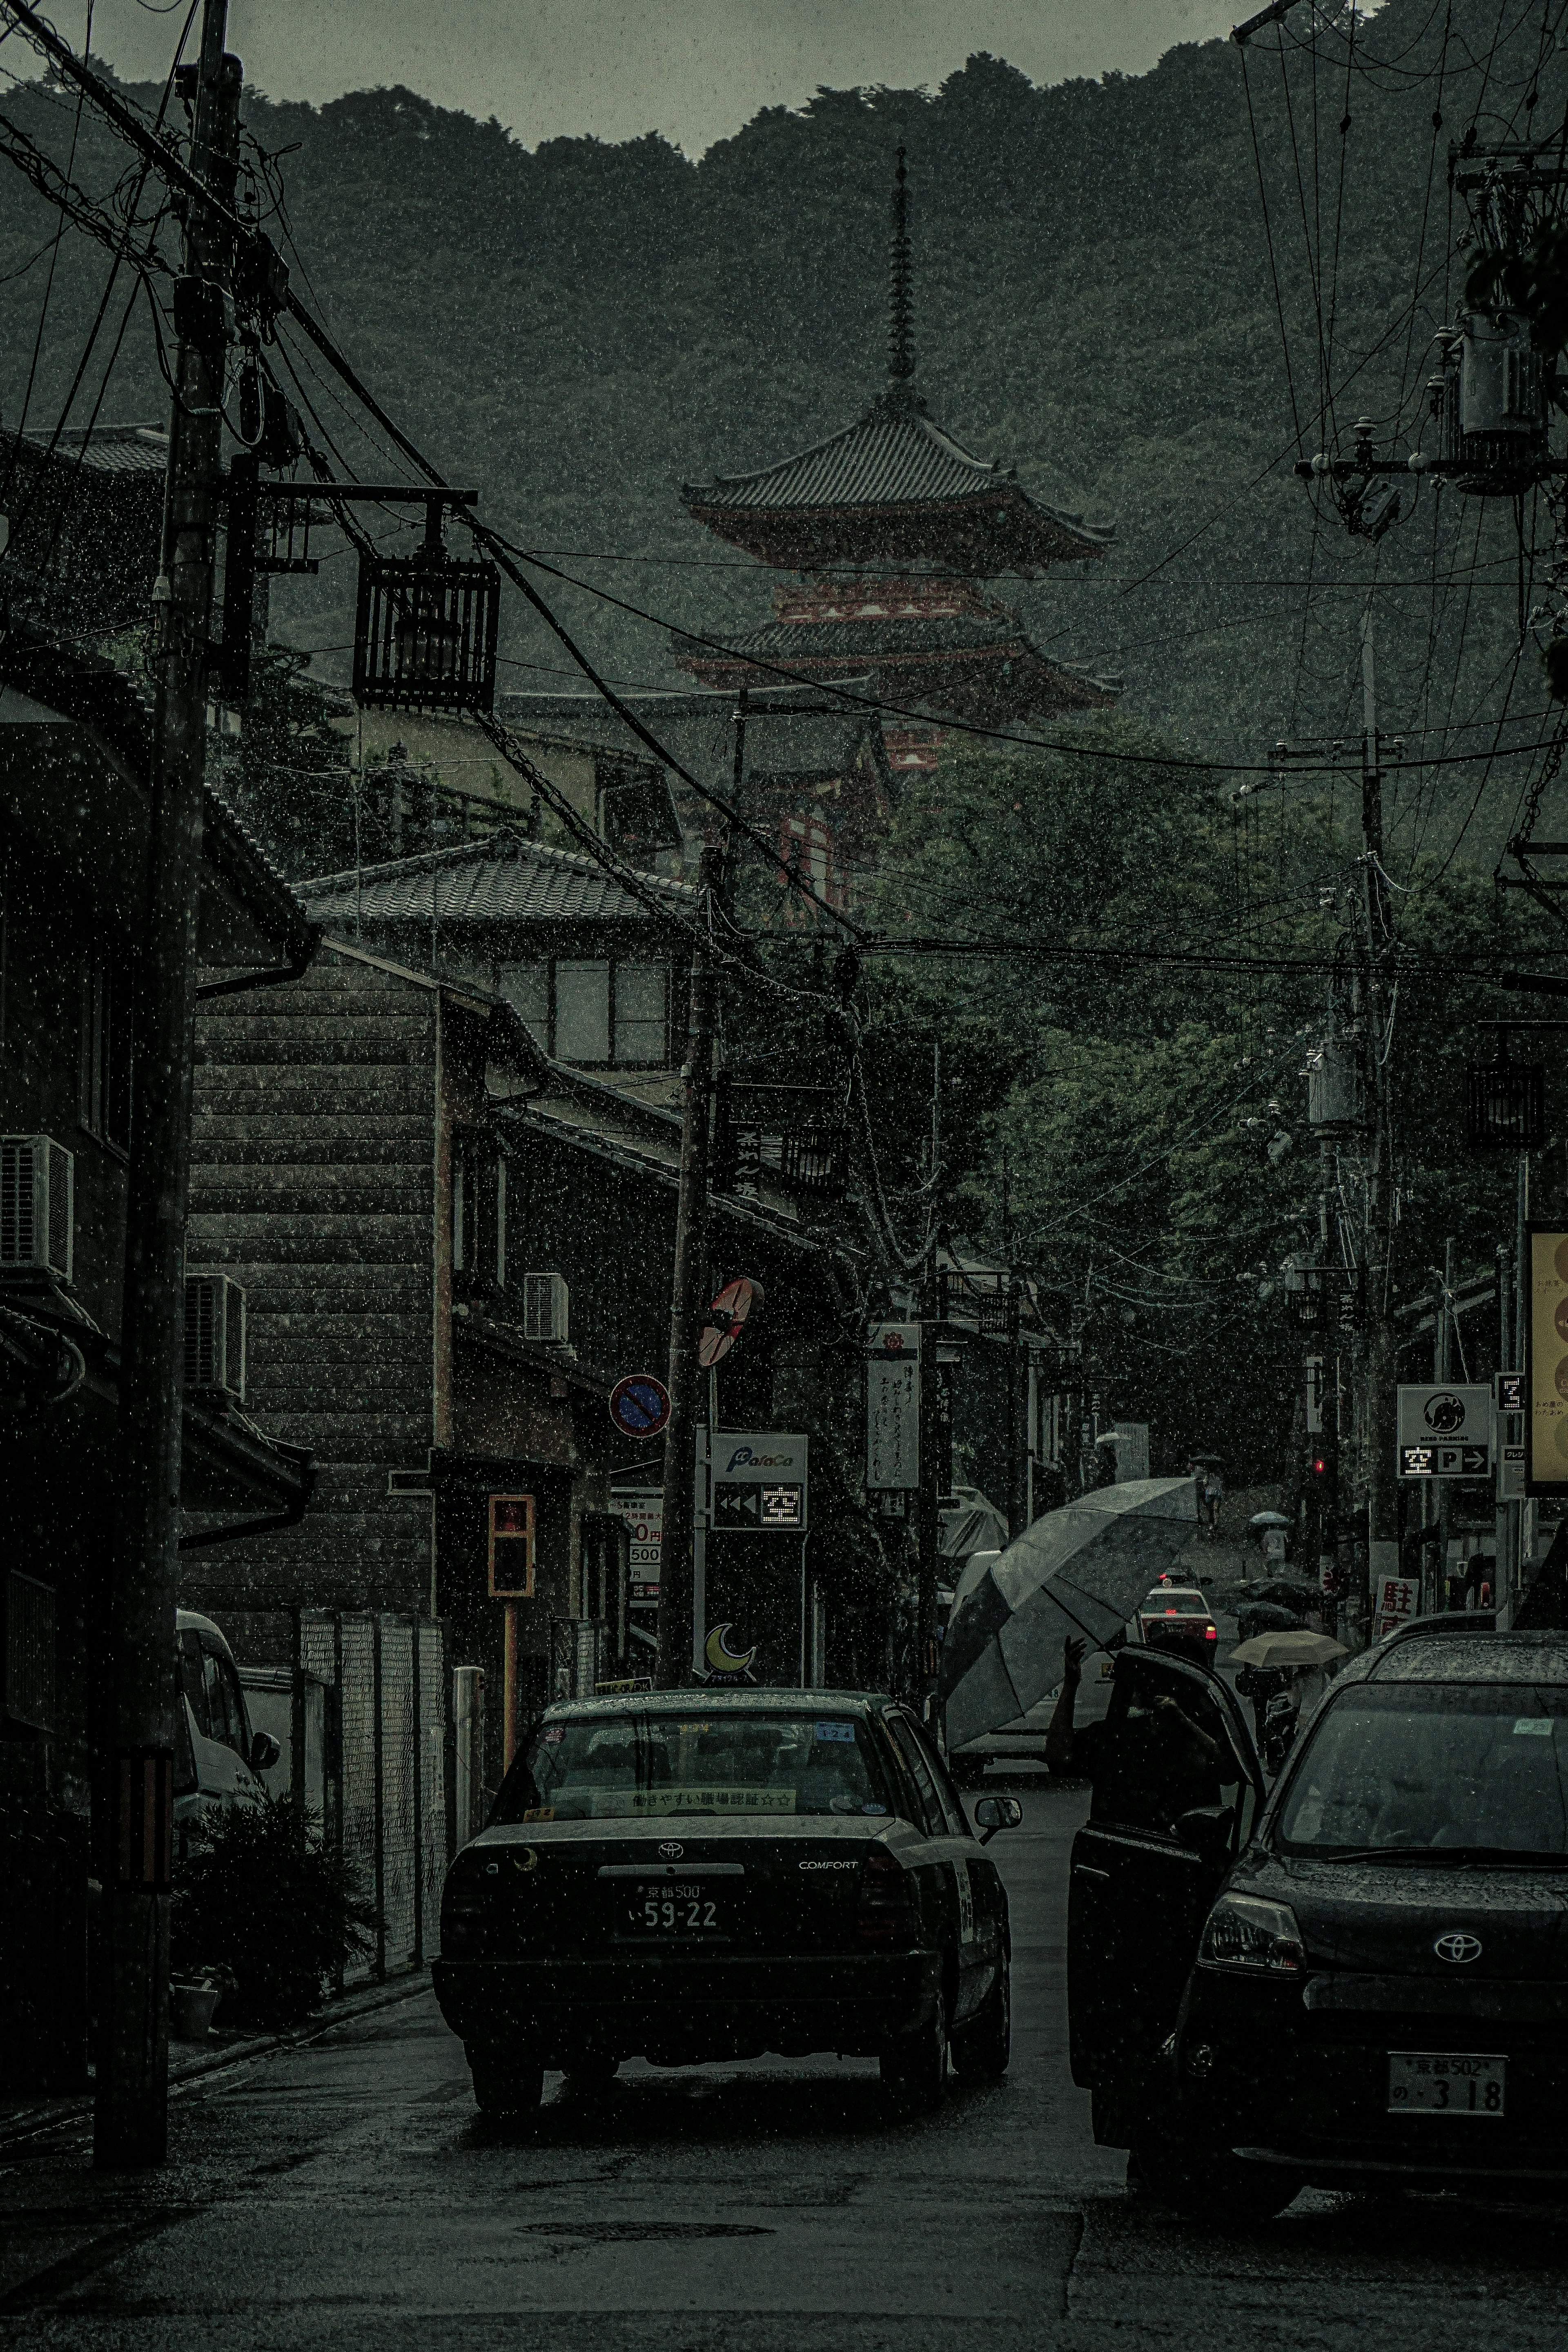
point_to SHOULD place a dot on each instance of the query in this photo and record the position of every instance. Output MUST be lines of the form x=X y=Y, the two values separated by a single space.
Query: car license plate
x=674 y=1907
x=1444 y=2083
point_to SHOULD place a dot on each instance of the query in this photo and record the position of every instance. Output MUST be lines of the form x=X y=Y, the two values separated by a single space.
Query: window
x=224 y=1708
x=639 y=1014
x=621 y=1766
x=103 y=1090
x=478 y=1214
x=583 y=1012
x=920 y=1774
x=592 y=1010
x=526 y=988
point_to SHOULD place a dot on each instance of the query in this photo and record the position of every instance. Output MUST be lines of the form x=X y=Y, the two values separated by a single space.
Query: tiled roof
x=791 y=731
x=107 y=448
x=504 y=879
x=893 y=455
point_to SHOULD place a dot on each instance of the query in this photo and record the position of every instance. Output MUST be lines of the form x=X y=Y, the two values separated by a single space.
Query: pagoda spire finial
x=901 y=323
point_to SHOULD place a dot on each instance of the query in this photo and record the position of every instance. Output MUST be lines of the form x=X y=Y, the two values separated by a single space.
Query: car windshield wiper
x=1516 y=1857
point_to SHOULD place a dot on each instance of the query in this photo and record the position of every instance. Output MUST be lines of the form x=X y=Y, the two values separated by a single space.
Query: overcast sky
x=695 y=69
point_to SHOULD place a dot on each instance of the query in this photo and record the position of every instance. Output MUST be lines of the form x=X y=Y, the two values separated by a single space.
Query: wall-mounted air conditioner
x=546 y=1309
x=214 y=1334
x=37 y=1218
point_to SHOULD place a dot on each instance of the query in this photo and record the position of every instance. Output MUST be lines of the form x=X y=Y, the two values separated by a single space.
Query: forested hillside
x=581 y=328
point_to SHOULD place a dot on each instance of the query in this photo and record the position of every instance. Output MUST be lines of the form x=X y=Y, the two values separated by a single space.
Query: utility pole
x=928 y=1519
x=134 y=1622
x=1381 y=1523
x=688 y=1296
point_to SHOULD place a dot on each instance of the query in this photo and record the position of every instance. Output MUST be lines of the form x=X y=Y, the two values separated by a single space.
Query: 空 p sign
x=1445 y=1430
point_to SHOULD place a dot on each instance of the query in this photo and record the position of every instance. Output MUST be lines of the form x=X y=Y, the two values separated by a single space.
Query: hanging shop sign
x=1445 y=1430
x=1546 y=1363
x=893 y=1408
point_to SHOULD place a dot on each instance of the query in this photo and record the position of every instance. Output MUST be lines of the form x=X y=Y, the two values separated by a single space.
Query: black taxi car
x=696 y=1875
x=1371 y=1984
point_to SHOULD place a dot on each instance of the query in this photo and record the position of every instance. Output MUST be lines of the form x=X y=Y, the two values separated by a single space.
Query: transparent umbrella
x=1081 y=1569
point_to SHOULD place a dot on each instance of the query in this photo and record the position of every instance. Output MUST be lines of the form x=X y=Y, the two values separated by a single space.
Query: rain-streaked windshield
x=653 y=1766
x=1434 y=1768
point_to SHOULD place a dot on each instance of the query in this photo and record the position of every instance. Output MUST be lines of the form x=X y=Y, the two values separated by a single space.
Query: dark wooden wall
x=315 y=1184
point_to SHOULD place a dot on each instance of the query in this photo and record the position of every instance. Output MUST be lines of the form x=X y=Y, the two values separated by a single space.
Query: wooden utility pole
x=689 y=1297
x=134 y=1620
x=928 y=1518
x=1381 y=1520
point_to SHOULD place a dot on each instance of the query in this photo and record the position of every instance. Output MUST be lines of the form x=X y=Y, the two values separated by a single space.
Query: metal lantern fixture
x=425 y=633
x=1505 y=1103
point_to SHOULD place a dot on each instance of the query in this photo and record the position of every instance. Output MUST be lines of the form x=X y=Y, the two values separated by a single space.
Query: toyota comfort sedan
x=1371 y=1984
x=692 y=1875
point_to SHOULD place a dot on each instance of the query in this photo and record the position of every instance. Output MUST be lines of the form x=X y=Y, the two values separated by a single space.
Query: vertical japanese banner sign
x=1546 y=1366
x=893 y=1408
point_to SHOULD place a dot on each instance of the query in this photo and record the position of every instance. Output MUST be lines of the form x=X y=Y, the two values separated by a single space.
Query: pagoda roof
x=895 y=485
x=962 y=664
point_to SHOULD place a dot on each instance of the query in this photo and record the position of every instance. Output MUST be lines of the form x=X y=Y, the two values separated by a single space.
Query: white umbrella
x=1289 y=1649
x=1080 y=1571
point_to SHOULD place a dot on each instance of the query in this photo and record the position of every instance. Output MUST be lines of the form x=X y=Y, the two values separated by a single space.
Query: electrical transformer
x=1494 y=403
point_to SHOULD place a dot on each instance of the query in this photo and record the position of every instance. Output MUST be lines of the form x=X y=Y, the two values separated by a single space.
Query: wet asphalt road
x=346 y=2194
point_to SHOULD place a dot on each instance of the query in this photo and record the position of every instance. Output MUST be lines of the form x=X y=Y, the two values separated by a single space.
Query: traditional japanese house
x=453 y=1242
x=75 y=821
x=894 y=525
x=813 y=774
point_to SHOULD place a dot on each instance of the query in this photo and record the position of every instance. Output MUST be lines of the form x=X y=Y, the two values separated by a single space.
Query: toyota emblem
x=1457 y=1946
x=672 y=1850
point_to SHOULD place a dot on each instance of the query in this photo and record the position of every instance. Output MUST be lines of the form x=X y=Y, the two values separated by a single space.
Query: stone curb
x=50 y=2114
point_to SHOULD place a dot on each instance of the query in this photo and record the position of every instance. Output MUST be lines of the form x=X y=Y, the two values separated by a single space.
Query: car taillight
x=886 y=1913
x=1211 y=1632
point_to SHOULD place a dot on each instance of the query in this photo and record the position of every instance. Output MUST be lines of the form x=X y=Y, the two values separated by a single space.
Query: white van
x=217 y=1757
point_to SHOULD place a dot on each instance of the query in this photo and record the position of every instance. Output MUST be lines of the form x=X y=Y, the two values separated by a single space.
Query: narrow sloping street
x=347 y=2194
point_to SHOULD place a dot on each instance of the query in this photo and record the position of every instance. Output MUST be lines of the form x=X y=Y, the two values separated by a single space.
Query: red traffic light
x=1320 y=1465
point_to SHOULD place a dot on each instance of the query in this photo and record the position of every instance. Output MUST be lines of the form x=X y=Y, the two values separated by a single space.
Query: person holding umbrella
x=1175 y=1763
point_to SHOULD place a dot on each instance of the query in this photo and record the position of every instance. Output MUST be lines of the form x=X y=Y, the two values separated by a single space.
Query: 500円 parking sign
x=1546 y=1363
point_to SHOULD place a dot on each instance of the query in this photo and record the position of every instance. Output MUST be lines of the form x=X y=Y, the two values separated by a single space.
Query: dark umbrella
x=1080 y=1570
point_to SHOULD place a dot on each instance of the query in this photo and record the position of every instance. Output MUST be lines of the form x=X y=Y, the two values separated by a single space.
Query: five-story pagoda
x=894 y=525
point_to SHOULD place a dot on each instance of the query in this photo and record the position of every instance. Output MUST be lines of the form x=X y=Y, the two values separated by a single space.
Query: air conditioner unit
x=546 y=1309
x=214 y=1334
x=37 y=1220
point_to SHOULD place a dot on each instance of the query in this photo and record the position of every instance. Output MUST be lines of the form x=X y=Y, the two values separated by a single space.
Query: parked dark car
x=1177 y=1617
x=1372 y=1985
x=696 y=1875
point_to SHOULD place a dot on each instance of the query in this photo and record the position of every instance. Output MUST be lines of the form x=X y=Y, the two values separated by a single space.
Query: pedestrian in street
x=1166 y=1763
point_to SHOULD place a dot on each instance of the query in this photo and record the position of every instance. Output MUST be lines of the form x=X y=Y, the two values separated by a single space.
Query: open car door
x=1177 y=1787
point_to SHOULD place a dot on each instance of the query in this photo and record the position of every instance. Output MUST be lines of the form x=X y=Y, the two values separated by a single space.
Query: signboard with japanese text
x=1510 y=1474
x=759 y=1481
x=1546 y=1363
x=1445 y=1430
x=1397 y=1597
x=892 y=1407
x=643 y=1511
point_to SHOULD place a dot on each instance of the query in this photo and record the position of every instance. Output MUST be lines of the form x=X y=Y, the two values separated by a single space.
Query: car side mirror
x=264 y=1751
x=1205 y=1831
x=993 y=1813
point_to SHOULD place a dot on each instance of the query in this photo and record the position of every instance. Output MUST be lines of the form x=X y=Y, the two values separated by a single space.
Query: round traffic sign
x=639 y=1405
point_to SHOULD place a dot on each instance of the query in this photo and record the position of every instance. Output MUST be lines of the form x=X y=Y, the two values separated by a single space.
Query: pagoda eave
x=996 y=531
x=981 y=684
